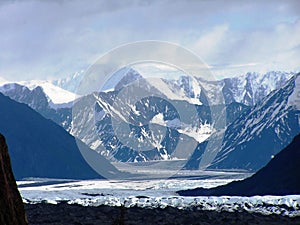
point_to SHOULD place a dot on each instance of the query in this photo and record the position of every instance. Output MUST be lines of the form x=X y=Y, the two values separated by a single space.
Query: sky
x=55 y=39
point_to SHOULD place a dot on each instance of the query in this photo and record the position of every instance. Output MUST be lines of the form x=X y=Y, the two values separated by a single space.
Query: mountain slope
x=280 y=176
x=39 y=147
x=37 y=99
x=57 y=96
x=247 y=89
x=259 y=133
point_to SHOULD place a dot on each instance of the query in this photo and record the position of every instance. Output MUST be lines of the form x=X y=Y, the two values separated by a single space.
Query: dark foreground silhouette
x=11 y=206
x=281 y=176
x=38 y=147
x=65 y=214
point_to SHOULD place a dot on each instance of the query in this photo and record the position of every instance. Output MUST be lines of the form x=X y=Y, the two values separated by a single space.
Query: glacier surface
x=152 y=194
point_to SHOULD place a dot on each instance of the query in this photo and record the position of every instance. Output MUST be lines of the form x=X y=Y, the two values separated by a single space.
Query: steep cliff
x=11 y=206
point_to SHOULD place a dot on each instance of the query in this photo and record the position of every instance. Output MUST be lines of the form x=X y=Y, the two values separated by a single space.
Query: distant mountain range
x=70 y=83
x=279 y=177
x=258 y=113
x=247 y=89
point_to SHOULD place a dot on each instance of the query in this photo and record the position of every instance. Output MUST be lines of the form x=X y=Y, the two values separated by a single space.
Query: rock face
x=11 y=206
x=280 y=176
x=251 y=140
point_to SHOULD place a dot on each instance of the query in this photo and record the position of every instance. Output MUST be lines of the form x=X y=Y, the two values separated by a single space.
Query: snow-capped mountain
x=122 y=78
x=259 y=133
x=118 y=79
x=253 y=87
x=248 y=89
x=70 y=83
x=35 y=98
x=99 y=111
x=96 y=129
x=38 y=100
x=157 y=108
x=57 y=97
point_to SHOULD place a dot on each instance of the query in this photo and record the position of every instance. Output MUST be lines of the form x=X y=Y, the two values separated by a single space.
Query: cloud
x=209 y=44
x=41 y=39
x=277 y=46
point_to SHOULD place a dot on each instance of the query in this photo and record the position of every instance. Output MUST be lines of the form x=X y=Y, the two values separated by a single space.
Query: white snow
x=200 y=133
x=294 y=99
x=56 y=94
x=158 y=119
x=172 y=94
x=153 y=194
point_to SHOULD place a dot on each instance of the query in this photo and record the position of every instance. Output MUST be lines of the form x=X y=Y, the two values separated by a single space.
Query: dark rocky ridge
x=12 y=210
x=281 y=176
x=65 y=214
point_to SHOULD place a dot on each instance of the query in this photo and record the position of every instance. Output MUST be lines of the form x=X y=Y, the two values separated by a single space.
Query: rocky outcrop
x=11 y=206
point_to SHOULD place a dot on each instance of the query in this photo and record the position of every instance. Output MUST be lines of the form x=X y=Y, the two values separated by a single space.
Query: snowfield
x=57 y=95
x=152 y=194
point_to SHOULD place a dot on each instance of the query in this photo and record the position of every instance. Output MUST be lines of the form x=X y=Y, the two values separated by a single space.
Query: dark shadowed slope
x=39 y=147
x=11 y=206
x=281 y=176
x=254 y=137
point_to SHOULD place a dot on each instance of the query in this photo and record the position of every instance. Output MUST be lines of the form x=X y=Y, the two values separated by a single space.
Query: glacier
x=152 y=194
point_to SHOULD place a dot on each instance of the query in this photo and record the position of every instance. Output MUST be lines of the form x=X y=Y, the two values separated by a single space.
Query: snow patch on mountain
x=57 y=96
x=199 y=134
x=184 y=88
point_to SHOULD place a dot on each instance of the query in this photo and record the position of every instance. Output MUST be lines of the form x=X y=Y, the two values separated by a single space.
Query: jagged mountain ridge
x=104 y=130
x=258 y=134
x=184 y=89
x=247 y=89
x=39 y=101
